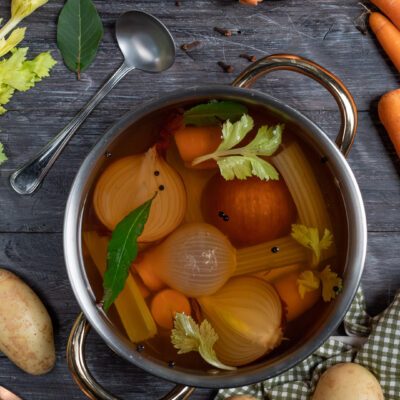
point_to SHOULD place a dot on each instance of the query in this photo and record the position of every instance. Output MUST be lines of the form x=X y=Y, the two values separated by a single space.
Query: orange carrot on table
x=388 y=36
x=166 y=304
x=286 y=286
x=391 y=8
x=196 y=141
x=389 y=114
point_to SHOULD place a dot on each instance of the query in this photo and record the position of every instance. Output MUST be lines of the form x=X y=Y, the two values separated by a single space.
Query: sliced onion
x=247 y=315
x=132 y=180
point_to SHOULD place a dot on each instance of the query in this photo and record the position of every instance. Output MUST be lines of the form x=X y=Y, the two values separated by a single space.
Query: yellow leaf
x=16 y=36
x=331 y=283
x=307 y=282
x=20 y=9
x=309 y=237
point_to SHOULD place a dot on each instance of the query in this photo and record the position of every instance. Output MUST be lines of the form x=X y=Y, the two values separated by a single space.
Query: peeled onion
x=247 y=315
x=197 y=259
x=132 y=180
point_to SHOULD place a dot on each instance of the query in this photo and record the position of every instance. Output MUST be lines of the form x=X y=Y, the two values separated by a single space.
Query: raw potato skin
x=348 y=381
x=26 y=331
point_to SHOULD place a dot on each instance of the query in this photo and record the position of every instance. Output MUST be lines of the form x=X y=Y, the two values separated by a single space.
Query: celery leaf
x=234 y=133
x=41 y=65
x=3 y=157
x=309 y=237
x=16 y=36
x=331 y=284
x=243 y=162
x=307 y=282
x=188 y=336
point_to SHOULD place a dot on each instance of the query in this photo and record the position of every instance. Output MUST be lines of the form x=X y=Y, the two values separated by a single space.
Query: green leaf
x=243 y=162
x=79 y=31
x=18 y=74
x=188 y=336
x=242 y=167
x=234 y=133
x=41 y=65
x=266 y=142
x=214 y=113
x=122 y=250
x=3 y=157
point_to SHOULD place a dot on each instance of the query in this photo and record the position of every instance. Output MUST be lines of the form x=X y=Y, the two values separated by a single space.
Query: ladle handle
x=27 y=179
x=82 y=376
x=291 y=62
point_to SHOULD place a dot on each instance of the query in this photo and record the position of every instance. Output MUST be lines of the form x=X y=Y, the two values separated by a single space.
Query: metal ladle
x=146 y=45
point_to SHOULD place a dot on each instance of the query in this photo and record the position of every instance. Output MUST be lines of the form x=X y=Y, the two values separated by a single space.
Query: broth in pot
x=222 y=228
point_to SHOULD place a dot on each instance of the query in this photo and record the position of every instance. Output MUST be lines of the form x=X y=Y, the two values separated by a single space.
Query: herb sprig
x=243 y=162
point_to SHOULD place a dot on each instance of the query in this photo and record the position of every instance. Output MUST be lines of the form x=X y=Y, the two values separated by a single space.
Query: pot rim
x=356 y=222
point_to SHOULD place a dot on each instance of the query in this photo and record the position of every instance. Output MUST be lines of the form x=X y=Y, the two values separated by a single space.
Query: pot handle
x=291 y=62
x=82 y=376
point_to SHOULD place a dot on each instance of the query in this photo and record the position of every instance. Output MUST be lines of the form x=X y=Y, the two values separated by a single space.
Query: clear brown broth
x=137 y=138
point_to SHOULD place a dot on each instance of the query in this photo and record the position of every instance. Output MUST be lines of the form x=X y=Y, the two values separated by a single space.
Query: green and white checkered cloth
x=375 y=345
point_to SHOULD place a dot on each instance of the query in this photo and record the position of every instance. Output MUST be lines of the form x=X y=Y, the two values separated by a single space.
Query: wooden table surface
x=31 y=226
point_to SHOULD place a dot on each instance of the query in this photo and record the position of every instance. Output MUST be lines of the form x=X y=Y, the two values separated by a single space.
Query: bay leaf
x=214 y=113
x=122 y=250
x=79 y=31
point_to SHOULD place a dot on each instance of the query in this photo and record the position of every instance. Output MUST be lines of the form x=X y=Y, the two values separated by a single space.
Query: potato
x=26 y=331
x=348 y=381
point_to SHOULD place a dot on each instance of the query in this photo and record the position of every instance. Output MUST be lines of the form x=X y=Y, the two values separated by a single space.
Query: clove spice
x=188 y=46
x=247 y=57
x=225 y=67
x=224 y=32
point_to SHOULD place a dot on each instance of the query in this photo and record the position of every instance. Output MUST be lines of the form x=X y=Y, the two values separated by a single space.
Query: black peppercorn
x=324 y=159
x=275 y=249
x=221 y=214
x=225 y=218
x=171 y=364
x=161 y=187
x=156 y=173
x=140 y=348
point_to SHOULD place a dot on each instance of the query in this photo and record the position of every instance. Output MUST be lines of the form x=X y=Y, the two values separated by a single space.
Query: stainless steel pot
x=355 y=222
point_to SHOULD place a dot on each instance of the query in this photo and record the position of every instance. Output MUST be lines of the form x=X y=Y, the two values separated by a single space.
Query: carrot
x=196 y=141
x=250 y=2
x=389 y=114
x=286 y=286
x=142 y=288
x=391 y=8
x=166 y=304
x=143 y=266
x=388 y=36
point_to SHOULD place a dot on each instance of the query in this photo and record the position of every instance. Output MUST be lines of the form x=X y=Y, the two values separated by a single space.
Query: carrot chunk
x=166 y=304
x=196 y=141
x=286 y=286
